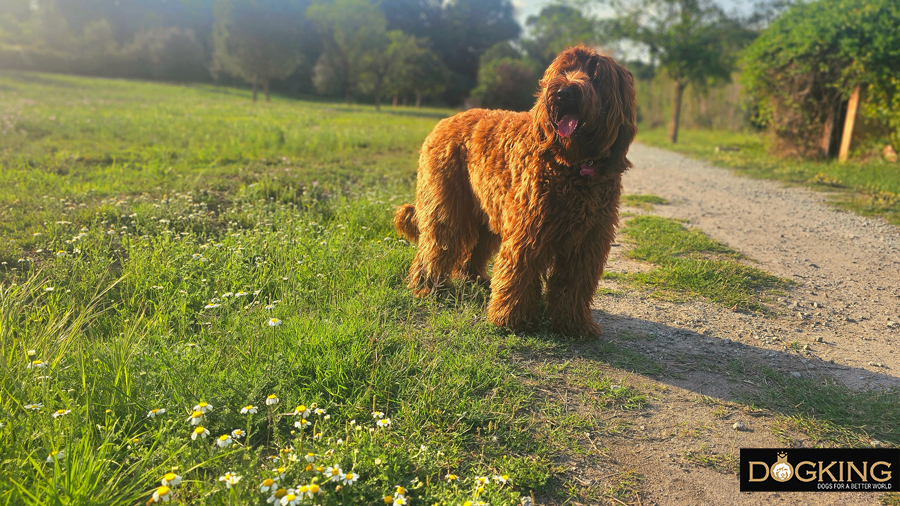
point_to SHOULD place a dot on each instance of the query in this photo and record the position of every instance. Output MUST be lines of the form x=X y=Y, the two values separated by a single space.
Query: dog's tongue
x=567 y=125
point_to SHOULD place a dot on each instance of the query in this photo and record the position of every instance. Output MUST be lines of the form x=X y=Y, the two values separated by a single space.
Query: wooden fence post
x=852 y=105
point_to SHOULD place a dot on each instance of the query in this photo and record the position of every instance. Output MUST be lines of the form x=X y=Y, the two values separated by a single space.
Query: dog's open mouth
x=567 y=125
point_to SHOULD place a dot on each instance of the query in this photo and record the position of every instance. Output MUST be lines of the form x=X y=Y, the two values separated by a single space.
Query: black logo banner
x=820 y=469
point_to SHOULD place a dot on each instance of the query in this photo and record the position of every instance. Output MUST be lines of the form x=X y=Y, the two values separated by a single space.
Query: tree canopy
x=693 y=41
x=258 y=40
x=811 y=57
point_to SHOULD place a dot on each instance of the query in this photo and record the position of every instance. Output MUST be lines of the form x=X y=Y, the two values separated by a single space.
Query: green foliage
x=506 y=80
x=258 y=40
x=813 y=55
x=694 y=41
x=388 y=66
x=556 y=28
x=353 y=33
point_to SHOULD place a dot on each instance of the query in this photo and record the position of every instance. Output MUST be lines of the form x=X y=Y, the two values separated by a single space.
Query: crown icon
x=782 y=455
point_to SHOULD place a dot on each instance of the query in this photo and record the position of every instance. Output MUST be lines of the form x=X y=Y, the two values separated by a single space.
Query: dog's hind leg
x=447 y=227
x=475 y=267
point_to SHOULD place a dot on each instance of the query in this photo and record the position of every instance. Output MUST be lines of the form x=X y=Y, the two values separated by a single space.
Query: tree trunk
x=405 y=100
x=394 y=102
x=828 y=131
x=266 y=89
x=255 y=87
x=848 y=125
x=418 y=99
x=676 y=112
x=378 y=95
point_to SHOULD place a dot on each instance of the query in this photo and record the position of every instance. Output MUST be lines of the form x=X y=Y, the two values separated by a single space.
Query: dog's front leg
x=515 y=284
x=573 y=282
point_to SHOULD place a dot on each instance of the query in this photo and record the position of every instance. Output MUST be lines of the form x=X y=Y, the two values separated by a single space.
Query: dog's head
x=585 y=109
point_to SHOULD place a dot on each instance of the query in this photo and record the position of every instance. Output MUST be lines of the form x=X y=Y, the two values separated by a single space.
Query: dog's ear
x=627 y=105
x=542 y=125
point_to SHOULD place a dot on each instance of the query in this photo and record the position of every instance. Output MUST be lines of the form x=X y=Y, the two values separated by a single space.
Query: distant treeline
x=802 y=66
x=176 y=40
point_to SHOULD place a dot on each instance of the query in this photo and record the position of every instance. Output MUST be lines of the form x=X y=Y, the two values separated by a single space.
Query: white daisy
x=333 y=473
x=55 y=455
x=277 y=496
x=301 y=410
x=224 y=441
x=195 y=418
x=162 y=494
x=153 y=412
x=312 y=490
x=302 y=423
x=237 y=434
x=199 y=431
x=291 y=498
x=271 y=400
x=386 y=422
x=203 y=407
x=377 y=415
x=36 y=364
x=251 y=409
x=170 y=480
x=230 y=479
x=274 y=322
x=34 y=407
x=61 y=412
x=269 y=485
x=349 y=478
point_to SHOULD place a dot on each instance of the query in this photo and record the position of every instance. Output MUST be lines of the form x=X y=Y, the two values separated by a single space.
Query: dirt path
x=846 y=267
x=840 y=319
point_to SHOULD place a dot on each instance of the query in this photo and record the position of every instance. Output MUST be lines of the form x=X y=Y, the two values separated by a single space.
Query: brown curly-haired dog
x=542 y=186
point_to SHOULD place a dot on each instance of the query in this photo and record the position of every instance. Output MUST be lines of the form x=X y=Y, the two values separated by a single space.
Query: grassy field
x=199 y=294
x=166 y=246
x=870 y=188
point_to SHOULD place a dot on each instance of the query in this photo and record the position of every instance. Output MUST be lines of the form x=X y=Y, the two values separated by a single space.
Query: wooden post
x=848 y=124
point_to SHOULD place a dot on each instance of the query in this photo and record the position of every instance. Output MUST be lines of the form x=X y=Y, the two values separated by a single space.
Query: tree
x=556 y=28
x=694 y=41
x=352 y=32
x=258 y=40
x=423 y=74
x=506 y=80
x=469 y=28
x=806 y=64
x=387 y=64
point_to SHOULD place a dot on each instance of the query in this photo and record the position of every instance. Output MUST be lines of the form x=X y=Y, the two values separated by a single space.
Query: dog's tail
x=406 y=223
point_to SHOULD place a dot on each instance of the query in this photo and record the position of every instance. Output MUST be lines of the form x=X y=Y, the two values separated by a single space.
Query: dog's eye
x=591 y=163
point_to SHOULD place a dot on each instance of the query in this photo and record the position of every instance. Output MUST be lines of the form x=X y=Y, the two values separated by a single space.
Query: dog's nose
x=566 y=93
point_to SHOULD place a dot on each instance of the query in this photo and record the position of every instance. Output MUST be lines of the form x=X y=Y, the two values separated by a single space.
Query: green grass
x=645 y=202
x=826 y=411
x=144 y=254
x=870 y=188
x=689 y=264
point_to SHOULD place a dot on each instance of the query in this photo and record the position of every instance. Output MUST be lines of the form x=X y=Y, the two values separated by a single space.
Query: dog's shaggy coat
x=541 y=186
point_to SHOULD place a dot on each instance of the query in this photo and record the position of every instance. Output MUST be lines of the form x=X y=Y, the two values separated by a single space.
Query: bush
x=809 y=60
